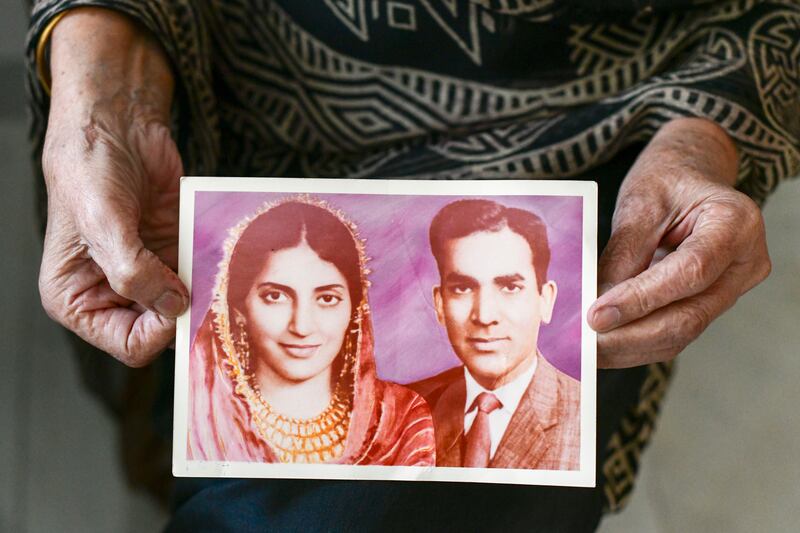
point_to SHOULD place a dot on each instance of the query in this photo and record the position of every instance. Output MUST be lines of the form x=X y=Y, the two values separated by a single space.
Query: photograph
x=387 y=330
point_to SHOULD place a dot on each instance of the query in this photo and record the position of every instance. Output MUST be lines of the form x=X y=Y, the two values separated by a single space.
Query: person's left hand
x=685 y=245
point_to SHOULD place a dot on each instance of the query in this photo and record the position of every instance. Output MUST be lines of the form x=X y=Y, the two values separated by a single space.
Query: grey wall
x=12 y=36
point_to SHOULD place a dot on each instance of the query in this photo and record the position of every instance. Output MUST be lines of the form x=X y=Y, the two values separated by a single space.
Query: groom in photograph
x=506 y=406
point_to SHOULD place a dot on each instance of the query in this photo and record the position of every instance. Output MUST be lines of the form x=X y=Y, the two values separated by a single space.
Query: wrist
x=101 y=58
x=699 y=147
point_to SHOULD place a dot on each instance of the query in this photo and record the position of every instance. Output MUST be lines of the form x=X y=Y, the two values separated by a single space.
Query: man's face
x=490 y=304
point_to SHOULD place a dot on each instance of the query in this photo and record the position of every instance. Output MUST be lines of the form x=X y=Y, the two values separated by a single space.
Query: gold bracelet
x=41 y=72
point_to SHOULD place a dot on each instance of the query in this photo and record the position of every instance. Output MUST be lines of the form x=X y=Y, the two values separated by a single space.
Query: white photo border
x=584 y=477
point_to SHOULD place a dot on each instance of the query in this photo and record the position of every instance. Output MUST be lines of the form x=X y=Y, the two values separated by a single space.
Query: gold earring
x=240 y=341
x=349 y=351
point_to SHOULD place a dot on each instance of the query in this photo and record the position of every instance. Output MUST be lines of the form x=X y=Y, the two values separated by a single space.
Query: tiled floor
x=724 y=457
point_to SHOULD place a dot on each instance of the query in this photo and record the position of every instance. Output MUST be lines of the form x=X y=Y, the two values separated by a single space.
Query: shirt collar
x=509 y=394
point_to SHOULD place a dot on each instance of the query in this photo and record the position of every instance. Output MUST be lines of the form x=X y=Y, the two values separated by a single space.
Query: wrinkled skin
x=685 y=245
x=112 y=173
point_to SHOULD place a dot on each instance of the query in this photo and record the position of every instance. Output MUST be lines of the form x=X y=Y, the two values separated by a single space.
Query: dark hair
x=286 y=226
x=465 y=217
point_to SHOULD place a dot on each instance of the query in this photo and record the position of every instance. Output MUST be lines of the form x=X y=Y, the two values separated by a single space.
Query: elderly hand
x=112 y=174
x=684 y=246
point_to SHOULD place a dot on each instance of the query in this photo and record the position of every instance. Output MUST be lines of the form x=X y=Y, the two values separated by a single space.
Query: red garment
x=389 y=424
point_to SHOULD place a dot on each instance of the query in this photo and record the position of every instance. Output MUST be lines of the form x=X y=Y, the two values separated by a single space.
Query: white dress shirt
x=509 y=395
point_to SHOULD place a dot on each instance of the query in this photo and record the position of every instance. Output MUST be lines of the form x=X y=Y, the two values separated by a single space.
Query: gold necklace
x=297 y=440
x=323 y=437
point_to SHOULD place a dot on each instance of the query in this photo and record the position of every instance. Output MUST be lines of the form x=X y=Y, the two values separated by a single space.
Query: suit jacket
x=544 y=431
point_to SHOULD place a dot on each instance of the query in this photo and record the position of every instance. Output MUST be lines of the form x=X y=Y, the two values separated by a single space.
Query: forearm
x=691 y=147
x=102 y=58
x=156 y=48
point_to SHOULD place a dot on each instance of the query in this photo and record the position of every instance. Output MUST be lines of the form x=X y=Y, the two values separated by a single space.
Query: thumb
x=635 y=236
x=133 y=271
x=634 y=240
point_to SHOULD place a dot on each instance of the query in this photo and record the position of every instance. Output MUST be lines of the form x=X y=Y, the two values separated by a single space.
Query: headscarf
x=388 y=424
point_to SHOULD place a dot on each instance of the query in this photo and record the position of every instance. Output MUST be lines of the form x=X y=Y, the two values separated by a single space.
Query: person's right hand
x=112 y=173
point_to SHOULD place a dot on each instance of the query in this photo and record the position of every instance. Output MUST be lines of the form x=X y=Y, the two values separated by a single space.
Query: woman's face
x=298 y=310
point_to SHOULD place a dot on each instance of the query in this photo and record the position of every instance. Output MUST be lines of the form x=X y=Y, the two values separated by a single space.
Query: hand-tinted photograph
x=359 y=330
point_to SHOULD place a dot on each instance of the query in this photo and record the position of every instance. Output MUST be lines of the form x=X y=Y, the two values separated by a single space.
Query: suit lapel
x=525 y=441
x=448 y=420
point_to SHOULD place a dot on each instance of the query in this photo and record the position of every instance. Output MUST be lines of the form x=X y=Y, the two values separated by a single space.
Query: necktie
x=479 y=441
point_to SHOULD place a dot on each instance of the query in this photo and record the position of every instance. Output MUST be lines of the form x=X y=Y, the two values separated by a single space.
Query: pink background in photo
x=409 y=342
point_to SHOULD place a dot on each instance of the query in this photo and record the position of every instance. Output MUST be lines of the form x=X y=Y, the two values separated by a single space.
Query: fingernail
x=170 y=304
x=606 y=318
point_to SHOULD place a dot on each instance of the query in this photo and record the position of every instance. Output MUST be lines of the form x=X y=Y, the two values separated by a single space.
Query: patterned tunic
x=449 y=89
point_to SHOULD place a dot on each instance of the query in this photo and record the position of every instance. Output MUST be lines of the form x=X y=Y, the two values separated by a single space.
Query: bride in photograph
x=282 y=367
